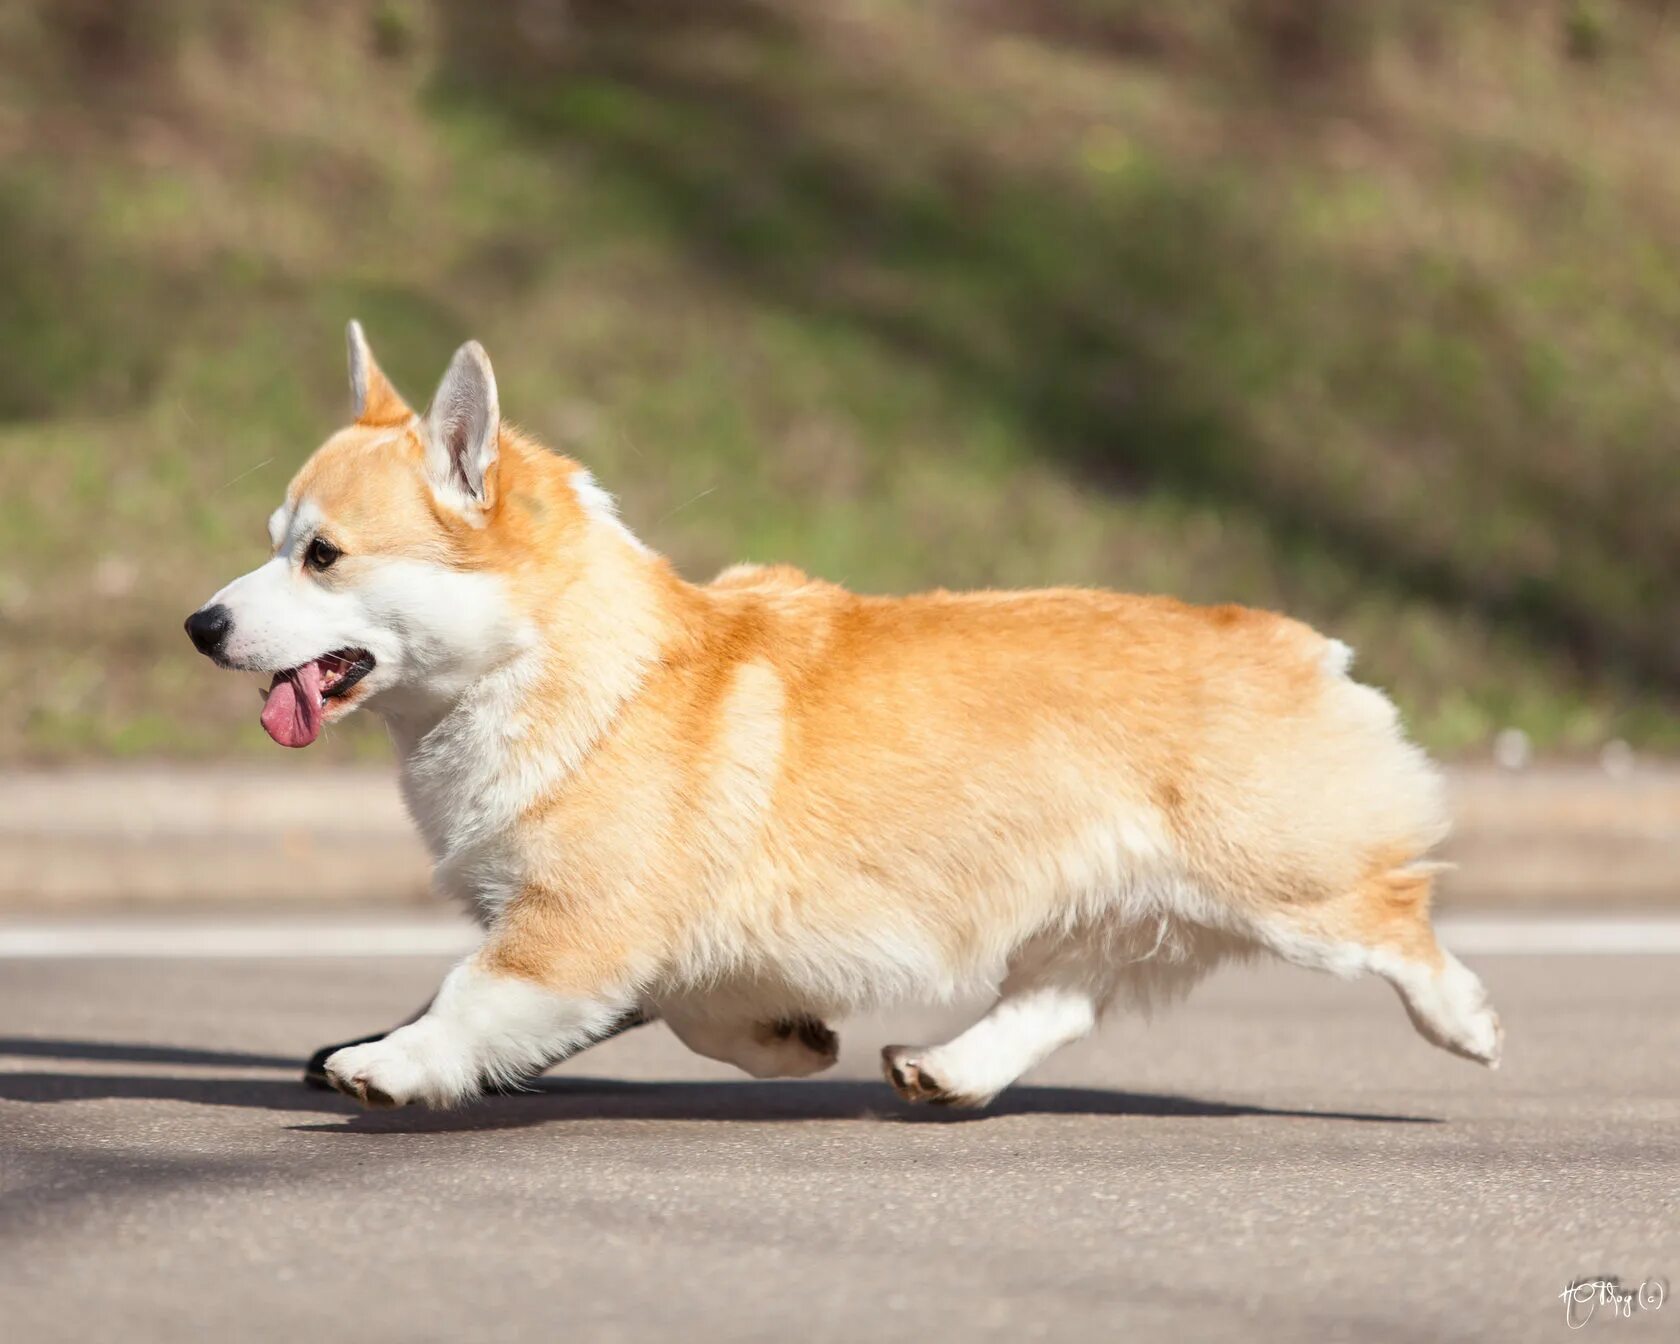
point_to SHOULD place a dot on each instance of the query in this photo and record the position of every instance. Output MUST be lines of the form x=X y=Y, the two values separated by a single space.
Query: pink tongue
x=293 y=712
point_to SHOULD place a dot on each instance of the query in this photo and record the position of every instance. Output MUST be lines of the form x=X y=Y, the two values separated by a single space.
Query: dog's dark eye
x=321 y=554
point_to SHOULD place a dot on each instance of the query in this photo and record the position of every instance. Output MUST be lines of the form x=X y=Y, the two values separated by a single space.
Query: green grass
x=1363 y=313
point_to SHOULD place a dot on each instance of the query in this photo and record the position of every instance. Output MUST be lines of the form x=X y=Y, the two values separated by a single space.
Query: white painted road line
x=1540 y=935
x=289 y=940
x=1552 y=937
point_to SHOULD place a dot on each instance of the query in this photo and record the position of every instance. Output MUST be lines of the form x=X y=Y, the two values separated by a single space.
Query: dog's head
x=384 y=585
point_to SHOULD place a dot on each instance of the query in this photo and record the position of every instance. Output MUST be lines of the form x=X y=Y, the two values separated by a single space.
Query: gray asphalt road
x=1280 y=1159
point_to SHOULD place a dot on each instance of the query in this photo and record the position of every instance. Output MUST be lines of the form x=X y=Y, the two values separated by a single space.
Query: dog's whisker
x=250 y=471
x=697 y=498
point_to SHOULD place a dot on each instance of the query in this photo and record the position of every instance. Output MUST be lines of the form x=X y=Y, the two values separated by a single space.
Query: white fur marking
x=1448 y=1006
x=481 y=1028
x=602 y=507
x=1023 y=1029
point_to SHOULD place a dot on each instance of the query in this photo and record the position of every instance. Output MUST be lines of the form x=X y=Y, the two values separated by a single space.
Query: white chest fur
x=467 y=779
x=470 y=776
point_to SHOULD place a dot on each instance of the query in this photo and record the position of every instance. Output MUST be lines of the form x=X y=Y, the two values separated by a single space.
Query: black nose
x=209 y=628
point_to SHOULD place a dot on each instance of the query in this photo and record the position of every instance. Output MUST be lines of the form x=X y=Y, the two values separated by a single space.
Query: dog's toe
x=372 y=1075
x=906 y=1068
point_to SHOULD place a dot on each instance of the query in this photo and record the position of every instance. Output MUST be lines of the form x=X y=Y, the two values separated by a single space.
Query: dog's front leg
x=315 y=1071
x=489 y=1025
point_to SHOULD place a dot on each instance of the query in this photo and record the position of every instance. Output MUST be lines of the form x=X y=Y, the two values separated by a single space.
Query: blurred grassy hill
x=1368 y=312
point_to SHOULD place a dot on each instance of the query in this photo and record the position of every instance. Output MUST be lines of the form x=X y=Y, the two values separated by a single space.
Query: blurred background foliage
x=1369 y=312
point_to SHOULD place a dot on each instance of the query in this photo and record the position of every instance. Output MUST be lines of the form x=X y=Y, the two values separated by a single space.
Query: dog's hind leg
x=1051 y=998
x=1383 y=927
x=789 y=1047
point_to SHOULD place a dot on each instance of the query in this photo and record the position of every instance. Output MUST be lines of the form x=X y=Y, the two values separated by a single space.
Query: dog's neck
x=588 y=637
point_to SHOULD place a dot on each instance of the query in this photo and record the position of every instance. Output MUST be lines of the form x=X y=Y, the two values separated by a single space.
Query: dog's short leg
x=488 y=1025
x=1383 y=927
x=1050 y=999
x=790 y=1047
x=1023 y=1028
x=315 y=1071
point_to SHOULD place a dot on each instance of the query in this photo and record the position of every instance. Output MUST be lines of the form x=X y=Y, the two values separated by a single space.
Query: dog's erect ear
x=373 y=401
x=462 y=425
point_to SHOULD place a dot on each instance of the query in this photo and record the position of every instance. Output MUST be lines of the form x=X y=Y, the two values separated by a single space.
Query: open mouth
x=296 y=704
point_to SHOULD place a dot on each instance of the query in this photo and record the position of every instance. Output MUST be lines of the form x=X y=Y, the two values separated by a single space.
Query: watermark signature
x=1585 y=1297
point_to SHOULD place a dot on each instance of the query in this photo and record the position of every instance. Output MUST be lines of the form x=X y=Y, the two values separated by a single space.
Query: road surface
x=1279 y=1159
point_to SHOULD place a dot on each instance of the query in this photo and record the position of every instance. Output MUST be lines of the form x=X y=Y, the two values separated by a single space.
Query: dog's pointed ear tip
x=356 y=342
x=471 y=368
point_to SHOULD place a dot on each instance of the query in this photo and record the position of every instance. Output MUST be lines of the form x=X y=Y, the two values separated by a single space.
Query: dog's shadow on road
x=576 y=1098
x=572 y=1099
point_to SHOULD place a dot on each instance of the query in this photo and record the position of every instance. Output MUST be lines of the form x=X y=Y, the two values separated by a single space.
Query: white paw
x=1475 y=1030
x=1484 y=1038
x=1450 y=1008
x=918 y=1075
x=394 y=1072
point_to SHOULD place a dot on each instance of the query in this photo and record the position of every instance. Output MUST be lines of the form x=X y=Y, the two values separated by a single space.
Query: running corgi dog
x=753 y=805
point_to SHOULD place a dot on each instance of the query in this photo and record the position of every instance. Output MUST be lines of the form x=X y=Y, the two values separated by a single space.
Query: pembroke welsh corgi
x=754 y=805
